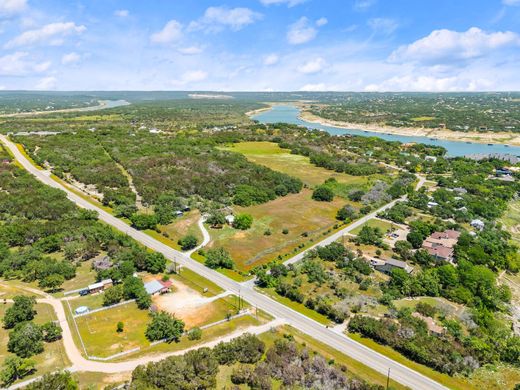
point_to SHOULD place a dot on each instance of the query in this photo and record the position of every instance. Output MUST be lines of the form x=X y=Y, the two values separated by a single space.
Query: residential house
x=430 y=324
x=440 y=244
x=100 y=286
x=477 y=224
x=386 y=266
x=156 y=287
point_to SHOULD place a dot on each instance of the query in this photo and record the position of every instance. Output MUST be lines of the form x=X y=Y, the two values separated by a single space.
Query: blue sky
x=260 y=45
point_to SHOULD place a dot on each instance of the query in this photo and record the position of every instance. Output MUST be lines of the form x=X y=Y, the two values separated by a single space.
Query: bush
x=219 y=258
x=144 y=221
x=323 y=194
x=243 y=221
x=195 y=334
x=120 y=327
x=188 y=242
x=164 y=326
x=113 y=295
x=51 y=331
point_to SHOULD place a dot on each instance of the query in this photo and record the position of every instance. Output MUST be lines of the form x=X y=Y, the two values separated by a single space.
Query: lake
x=290 y=114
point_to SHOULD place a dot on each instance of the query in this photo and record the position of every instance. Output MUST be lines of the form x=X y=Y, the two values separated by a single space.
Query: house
x=503 y=172
x=431 y=158
x=100 y=286
x=432 y=204
x=386 y=266
x=477 y=224
x=230 y=219
x=155 y=287
x=102 y=263
x=440 y=244
x=460 y=190
x=430 y=324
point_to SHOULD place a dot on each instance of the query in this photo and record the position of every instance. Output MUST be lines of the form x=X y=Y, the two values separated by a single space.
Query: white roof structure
x=81 y=310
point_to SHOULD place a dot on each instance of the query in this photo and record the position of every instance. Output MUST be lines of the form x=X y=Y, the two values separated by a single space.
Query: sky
x=260 y=45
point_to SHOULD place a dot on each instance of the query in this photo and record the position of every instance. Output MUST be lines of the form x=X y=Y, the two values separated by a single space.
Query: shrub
x=323 y=194
x=188 y=242
x=219 y=258
x=243 y=221
x=195 y=334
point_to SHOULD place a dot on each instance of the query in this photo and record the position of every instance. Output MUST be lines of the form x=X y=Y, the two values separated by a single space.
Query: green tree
x=243 y=221
x=16 y=368
x=52 y=282
x=25 y=340
x=323 y=194
x=370 y=236
x=155 y=262
x=62 y=380
x=113 y=295
x=120 y=327
x=216 y=218
x=164 y=326
x=346 y=213
x=51 y=331
x=195 y=334
x=143 y=221
x=22 y=310
x=219 y=258
x=188 y=242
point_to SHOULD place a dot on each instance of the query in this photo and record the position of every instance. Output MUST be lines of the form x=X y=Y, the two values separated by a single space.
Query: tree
x=143 y=221
x=216 y=218
x=415 y=238
x=243 y=221
x=120 y=327
x=188 y=242
x=370 y=236
x=16 y=368
x=323 y=194
x=52 y=282
x=51 y=331
x=113 y=295
x=133 y=288
x=155 y=262
x=219 y=258
x=62 y=380
x=403 y=249
x=346 y=213
x=22 y=310
x=25 y=340
x=164 y=326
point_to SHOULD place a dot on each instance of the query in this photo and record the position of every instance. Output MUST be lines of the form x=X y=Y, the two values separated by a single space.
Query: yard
x=304 y=219
x=511 y=220
x=384 y=226
x=187 y=224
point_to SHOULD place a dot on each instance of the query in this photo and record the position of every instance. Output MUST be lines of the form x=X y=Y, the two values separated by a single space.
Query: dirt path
x=205 y=235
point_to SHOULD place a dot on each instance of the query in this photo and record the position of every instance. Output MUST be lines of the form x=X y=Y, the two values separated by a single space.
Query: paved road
x=340 y=342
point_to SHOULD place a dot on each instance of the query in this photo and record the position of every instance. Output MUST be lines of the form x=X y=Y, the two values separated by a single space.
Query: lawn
x=52 y=358
x=92 y=301
x=511 y=220
x=272 y=156
x=197 y=282
x=304 y=219
x=384 y=226
x=84 y=276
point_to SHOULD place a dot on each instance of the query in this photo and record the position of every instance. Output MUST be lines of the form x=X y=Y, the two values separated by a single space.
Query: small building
x=100 y=286
x=81 y=310
x=155 y=287
x=460 y=190
x=430 y=324
x=431 y=158
x=230 y=219
x=102 y=263
x=386 y=266
x=477 y=224
x=432 y=204
x=179 y=213
x=503 y=172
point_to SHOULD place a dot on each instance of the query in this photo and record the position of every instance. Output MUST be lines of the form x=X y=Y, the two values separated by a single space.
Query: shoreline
x=446 y=135
x=501 y=138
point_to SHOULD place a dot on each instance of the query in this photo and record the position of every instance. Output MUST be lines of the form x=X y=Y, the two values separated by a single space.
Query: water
x=290 y=114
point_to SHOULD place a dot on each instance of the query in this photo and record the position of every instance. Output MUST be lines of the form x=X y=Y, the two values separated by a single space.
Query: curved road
x=340 y=342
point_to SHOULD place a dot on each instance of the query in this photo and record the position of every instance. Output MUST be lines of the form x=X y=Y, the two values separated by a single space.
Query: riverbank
x=505 y=138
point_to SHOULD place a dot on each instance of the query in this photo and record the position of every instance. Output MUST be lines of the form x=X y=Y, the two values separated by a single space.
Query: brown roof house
x=440 y=244
x=430 y=323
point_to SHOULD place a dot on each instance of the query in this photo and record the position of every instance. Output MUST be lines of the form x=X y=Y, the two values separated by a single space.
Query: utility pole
x=388 y=379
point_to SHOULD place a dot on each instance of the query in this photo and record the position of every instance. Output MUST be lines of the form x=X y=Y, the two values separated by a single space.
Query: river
x=290 y=114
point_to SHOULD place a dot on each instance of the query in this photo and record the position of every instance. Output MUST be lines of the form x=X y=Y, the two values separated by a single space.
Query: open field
x=187 y=224
x=297 y=213
x=272 y=156
x=52 y=358
x=384 y=226
x=84 y=276
x=511 y=220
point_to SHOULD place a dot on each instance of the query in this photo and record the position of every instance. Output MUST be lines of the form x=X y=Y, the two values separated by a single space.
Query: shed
x=81 y=310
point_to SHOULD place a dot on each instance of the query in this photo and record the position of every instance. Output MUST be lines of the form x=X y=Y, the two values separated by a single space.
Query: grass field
x=511 y=220
x=272 y=156
x=297 y=213
x=84 y=276
x=373 y=223
x=52 y=358
x=187 y=224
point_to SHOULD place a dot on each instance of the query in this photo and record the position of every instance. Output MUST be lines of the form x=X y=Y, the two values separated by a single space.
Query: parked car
x=83 y=292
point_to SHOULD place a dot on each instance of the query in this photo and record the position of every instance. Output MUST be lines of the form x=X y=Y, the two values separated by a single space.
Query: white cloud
x=70 y=58
x=384 y=26
x=190 y=50
x=511 y=2
x=46 y=83
x=192 y=76
x=217 y=18
x=301 y=32
x=172 y=31
x=50 y=34
x=321 y=22
x=430 y=84
x=363 y=5
x=12 y=7
x=317 y=87
x=17 y=64
x=290 y=3
x=122 y=13
x=448 y=45
x=271 y=59
x=312 y=66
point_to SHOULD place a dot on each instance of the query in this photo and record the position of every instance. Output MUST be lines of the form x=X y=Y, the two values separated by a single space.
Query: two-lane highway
x=342 y=343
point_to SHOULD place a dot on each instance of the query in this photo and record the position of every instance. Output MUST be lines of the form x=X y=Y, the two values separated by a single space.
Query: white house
x=477 y=224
